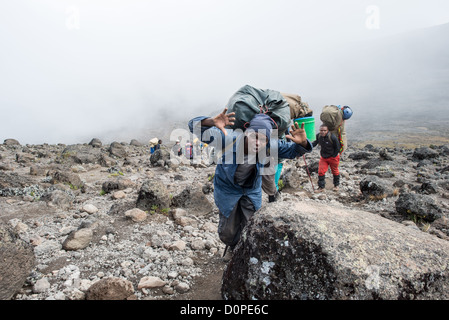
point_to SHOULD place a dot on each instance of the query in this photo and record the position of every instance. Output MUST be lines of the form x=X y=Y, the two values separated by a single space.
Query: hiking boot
x=228 y=255
x=319 y=190
x=335 y=188
x=321 y=182
x=275 y=197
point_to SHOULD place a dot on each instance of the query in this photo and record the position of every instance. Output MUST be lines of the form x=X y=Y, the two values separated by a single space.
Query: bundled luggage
x=249 y=101
x=332 y=117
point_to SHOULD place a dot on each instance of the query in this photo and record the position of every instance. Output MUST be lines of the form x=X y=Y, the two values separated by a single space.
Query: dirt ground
x=208 y=286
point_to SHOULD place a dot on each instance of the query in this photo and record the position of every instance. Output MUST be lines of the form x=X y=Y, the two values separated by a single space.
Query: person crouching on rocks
x=330 y=148
x=238 y=176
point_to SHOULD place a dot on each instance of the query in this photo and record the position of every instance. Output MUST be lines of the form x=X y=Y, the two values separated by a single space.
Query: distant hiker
x=189 y=150
x=158 y=146
x=177 y=150
x=238 y=179
x=330 y=156
x=334 y=117
x=153 y=142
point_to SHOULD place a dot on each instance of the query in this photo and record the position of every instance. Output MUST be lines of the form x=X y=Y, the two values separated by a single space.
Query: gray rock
x=81 y=154
x=193 y=199
x=422 y=206
x=16 y=262
x=300 y=250
x=425 y=153
x=71 y=179
x=116 y=184
x=78 y=239
x=159 y=155
x=41 y=285
x=13 y=180
x=118 y=150
x=153 y=193
x=136 y=143
x=360 y=155
x=58 y=198
x=11 y=142
x=373 y=186
x=96 y=143
x=182 y=287
x=110 y=289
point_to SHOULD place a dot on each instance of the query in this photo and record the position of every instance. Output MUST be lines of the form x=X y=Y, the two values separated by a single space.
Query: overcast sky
x=72 y=70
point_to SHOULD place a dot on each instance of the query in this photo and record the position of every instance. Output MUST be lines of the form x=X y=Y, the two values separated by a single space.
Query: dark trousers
x=229 y=229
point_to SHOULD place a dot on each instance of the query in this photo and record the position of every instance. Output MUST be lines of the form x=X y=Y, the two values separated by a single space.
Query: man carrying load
x=238 y=179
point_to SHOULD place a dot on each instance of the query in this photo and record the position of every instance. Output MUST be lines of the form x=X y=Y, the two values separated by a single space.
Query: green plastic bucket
x=309 y=126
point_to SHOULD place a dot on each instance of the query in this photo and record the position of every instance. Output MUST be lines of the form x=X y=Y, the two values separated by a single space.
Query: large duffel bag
x=298 y=108
x=332 y=117
x=249 y=101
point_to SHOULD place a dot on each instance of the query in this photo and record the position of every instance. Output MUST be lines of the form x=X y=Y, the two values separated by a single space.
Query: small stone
x=136 y=215
x=197 y=244
x=90 y=208
x=182 y=287
x=150 y=282
x=187 y=262
x=178 y=245
x=35 y=240
x=110 y=289
x=168 y=290
x=119 y=195
x=78 y=239
x=41 y=285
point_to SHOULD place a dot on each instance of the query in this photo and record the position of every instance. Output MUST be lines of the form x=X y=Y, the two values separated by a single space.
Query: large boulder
x=360 y=155
x=59 y=198
x=96 y=143
x=421 y=206
x=425 y=153
x=374 y=187
x=193 y=199
x=64 y=177
x=116 y=149
x=81 y=154
x=111 y=288
x=159 y=155
x=16 y=262
x=14 y=180
x=11 y=142
x=78 y=239
x=300 y=250
x=153 y=193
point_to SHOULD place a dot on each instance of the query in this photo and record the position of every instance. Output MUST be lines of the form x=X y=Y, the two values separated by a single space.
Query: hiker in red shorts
x=330 y=148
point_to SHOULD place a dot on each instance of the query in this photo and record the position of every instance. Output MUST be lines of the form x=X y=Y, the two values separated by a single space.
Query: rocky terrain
x=109 y=221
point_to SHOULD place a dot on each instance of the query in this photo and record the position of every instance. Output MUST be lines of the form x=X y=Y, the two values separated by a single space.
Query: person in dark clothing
x=330 y=148
x=158 y=146
x=238 y=179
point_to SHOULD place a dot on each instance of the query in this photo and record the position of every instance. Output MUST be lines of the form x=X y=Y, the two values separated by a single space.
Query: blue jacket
x=226 y=192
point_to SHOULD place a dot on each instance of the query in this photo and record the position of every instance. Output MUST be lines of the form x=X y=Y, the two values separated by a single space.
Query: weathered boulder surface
x=194 y=199
x=17 y=261
x=373 y=186
x=117 y=149
x=158 y=155
x=112 y=288
x=153 y=193
x=425 y=153
x=421 y=206
x=300 y=250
